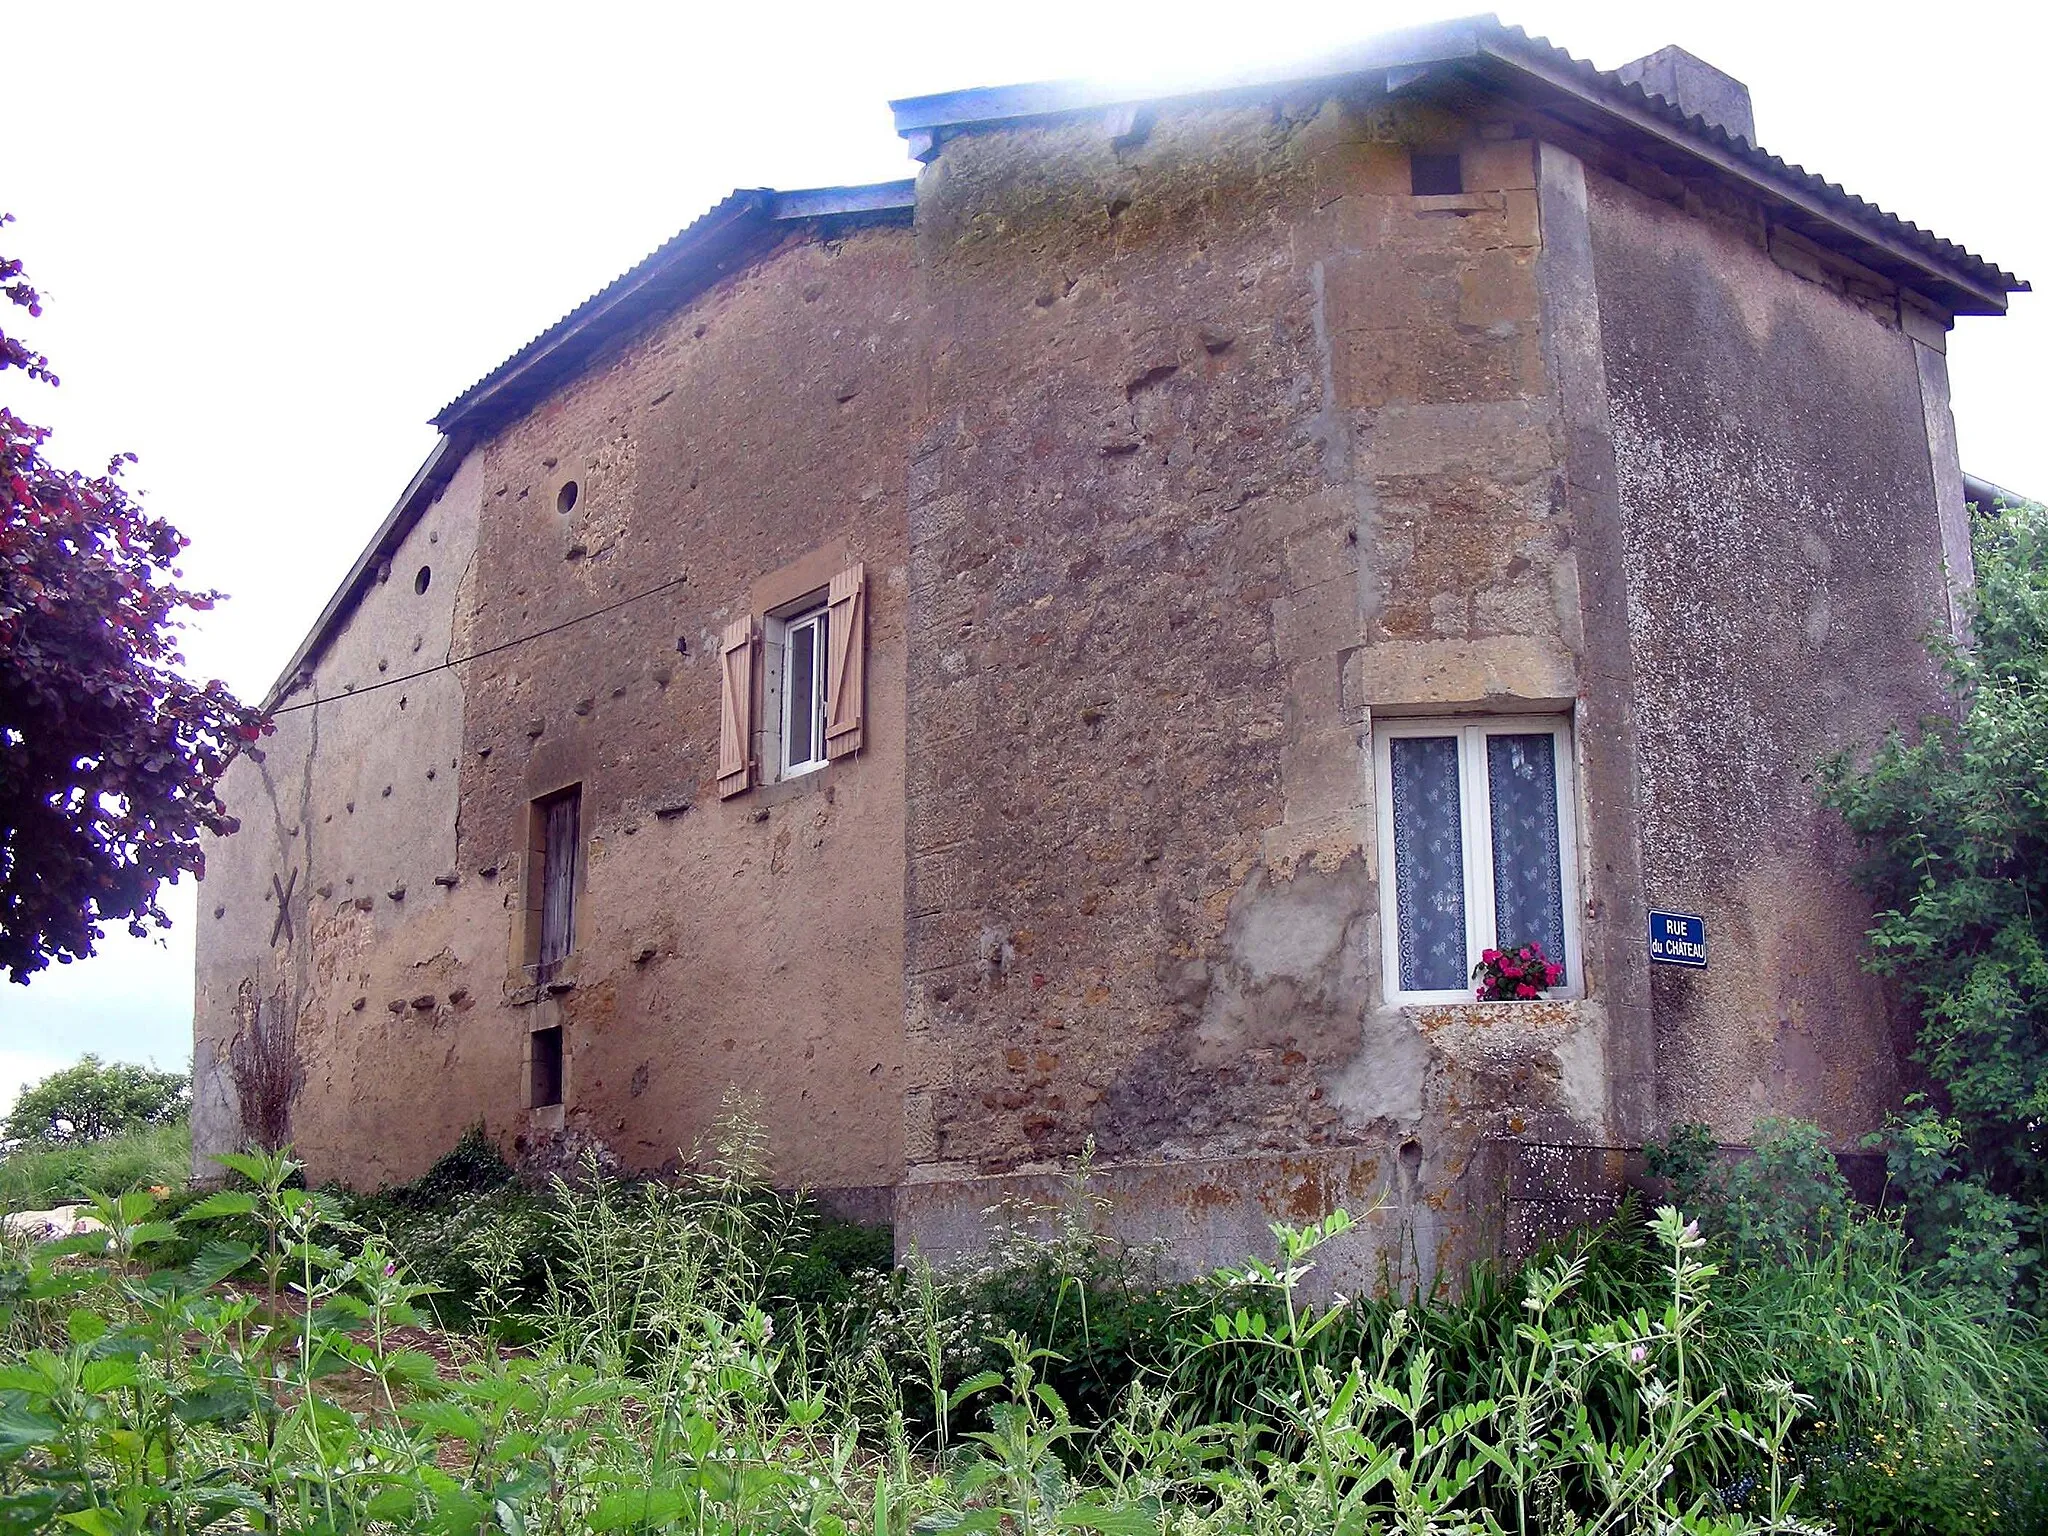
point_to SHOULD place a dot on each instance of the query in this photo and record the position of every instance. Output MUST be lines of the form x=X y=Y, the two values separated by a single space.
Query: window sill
x=520 y=994
x=1520 y=1013
x=1460 y=202
x=781 y=791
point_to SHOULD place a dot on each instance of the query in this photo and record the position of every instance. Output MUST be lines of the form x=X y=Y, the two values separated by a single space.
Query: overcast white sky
x=273 y=239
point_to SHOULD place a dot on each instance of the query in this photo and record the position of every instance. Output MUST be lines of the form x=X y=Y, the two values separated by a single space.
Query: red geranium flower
x=1516 y=973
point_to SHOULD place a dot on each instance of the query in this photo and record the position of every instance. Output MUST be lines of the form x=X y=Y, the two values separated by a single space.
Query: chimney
x=1696 y=88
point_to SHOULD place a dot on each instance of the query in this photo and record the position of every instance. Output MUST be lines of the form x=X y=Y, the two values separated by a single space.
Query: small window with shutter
x=736 y=649
x=812 y=677
x=551 y=903
x=845 y=679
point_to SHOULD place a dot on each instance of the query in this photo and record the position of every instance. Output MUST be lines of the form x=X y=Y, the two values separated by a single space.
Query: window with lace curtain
x=1477 y=849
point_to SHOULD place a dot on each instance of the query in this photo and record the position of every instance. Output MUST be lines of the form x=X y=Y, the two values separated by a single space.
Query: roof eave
x=559 y=351
x=710 y=247
x=427 y=483
x=1507 y=61
x=1961 y=292
x=987 y=106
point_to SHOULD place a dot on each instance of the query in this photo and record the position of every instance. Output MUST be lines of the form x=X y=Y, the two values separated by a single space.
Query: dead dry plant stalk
x=268 y=1071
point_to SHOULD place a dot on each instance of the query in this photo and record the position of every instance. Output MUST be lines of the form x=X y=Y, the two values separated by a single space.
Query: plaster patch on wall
x=1295 y=966
x=1582 y=1071
x=1384 y=1080
x=1770 y=441
x=1295 y=930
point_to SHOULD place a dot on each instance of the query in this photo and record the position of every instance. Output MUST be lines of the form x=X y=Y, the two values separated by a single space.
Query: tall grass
x=677 y=1350
x=38 y=1175
x=660 y=1394
x=1929 y=1414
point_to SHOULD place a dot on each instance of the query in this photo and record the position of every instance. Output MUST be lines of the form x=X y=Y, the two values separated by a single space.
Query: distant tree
x=109 y=757
x=92 y=1100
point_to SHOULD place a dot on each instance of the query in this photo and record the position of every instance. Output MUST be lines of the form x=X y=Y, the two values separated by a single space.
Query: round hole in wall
x=420 y=582
x=565 y=498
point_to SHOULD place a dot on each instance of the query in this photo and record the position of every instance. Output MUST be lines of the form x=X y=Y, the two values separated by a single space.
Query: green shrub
x=733 y=1361
x=826 y=1267
x=664 y=1398
x=1784 y=1195
x=1954 y=826
x=472 y=1166
x=489 y=1244
x=93 y=1099
x=1925 y=1398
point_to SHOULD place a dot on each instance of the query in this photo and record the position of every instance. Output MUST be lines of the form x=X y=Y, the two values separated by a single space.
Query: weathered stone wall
x=1234 y=442
x=351 y=811
x=753 y=943
x=1177 y=452
x=1784 y=542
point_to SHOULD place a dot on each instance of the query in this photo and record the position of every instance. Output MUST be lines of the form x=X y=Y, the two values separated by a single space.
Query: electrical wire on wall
x=489 y=650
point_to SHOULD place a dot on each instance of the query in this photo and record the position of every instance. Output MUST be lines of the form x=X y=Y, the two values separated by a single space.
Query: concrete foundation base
x=1207 y=1213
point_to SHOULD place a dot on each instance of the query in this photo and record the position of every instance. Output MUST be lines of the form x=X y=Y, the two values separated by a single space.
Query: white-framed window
x=799 y=652
x=808 y=658
x=1477 y=849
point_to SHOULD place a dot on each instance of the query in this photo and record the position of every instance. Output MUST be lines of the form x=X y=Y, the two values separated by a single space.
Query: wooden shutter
x=846 y=665
x=561 y=841
x=736 y=708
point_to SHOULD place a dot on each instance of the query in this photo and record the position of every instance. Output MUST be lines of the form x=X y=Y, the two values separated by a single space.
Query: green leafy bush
x=488 y=1243
x=698 y=1355
x=93 y=1099
x=134 y=1399
x=1784 y=1196
x=1954 y=823
x=1925 y=1399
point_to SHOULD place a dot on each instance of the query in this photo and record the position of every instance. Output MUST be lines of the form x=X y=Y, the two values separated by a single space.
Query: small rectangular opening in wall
x=554 y=848
x=547 y=1067
x=1435 y=175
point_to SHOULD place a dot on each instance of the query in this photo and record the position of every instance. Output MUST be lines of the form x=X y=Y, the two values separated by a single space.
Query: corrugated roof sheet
x=1860 y=209
x=727 y=210
x=692 y=253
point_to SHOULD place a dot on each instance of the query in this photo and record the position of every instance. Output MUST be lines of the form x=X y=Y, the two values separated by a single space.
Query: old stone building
x=1094 y=642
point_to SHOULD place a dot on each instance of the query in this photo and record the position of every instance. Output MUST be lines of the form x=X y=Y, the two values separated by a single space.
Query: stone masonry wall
x=1177 y=450
x=754 y=942
x=350 y=812
x=1233 y=442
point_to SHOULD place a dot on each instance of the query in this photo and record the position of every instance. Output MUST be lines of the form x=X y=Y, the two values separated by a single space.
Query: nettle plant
x=1518 y=973
x=276 y=1383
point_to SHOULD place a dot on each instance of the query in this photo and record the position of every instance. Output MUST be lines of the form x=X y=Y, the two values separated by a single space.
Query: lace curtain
x=1429 y=857
x=1528 y=869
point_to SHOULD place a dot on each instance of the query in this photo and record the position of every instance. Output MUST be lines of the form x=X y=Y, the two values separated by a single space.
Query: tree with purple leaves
x=110 y=758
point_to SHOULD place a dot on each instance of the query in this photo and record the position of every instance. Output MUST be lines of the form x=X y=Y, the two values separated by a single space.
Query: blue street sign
x=1678 y=938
